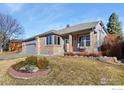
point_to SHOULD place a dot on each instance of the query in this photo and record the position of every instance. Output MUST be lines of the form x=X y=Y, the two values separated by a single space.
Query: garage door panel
x=31 y=48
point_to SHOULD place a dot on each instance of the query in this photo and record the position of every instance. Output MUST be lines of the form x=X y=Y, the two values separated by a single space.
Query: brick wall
x=51 y=49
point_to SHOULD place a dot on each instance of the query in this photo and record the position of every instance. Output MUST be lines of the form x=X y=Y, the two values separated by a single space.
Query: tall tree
x=9 y=29
x=114 y=25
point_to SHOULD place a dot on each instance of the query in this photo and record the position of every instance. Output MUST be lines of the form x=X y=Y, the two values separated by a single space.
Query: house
x=78 y=38
x=15 y=45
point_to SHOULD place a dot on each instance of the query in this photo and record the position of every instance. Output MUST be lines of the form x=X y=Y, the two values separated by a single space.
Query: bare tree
x=10 y=29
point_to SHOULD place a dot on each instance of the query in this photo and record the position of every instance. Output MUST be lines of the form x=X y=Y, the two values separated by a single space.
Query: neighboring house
x=15 y=45
x=77 y=38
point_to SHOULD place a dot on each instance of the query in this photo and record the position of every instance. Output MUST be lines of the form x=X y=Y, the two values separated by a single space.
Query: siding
x=100 y=35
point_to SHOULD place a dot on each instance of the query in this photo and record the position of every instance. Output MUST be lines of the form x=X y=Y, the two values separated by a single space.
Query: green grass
x=69 y=71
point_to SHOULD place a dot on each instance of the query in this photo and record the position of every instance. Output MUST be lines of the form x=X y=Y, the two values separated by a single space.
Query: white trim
x=48 y=39
x=57 y=41
x=52 y=40
x=84 y=41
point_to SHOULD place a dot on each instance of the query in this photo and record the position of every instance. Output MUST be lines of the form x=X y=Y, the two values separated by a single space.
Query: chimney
x=67 y=25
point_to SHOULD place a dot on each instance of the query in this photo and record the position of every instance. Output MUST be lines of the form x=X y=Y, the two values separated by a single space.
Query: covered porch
x=80 y=42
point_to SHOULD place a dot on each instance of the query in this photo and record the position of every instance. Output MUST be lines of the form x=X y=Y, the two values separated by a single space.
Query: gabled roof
x=40 y=35
x=71 y=29
x=79 y=27
x=47 y=33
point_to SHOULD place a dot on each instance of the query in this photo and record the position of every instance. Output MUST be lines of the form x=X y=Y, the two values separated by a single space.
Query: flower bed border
x=22 y=75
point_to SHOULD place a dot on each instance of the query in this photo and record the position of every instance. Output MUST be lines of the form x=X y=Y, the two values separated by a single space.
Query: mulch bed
x=22 y=75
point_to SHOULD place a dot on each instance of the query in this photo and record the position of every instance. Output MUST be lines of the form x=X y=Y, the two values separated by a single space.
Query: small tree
x=114 y=25
x=9 y=29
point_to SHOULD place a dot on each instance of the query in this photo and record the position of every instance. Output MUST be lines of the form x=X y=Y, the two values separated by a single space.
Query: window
x=52 y=39
x=84 y=41
x=49 y=40
x=56 y=40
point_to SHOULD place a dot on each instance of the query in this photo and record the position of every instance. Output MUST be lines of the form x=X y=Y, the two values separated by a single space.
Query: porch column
x=70 y=43
x=91 y=39
x=38 y=45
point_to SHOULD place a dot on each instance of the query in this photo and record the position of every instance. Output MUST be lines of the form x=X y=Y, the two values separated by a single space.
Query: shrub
x=114 y=50
x=31 y=60
x=112 y=46
x=42 y=63
x=69 y=54
x=19 y=65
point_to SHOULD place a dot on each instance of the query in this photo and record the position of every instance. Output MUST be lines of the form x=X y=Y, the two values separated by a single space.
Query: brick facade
x=43 y=49
x=51 y=49
x=69 y=39
x=59 y=49
x=38 y=45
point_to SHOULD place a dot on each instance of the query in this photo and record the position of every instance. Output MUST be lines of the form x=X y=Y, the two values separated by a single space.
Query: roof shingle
x=71 y=29
x=79 y=27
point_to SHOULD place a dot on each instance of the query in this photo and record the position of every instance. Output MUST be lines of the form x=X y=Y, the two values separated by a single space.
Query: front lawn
x=69 y=71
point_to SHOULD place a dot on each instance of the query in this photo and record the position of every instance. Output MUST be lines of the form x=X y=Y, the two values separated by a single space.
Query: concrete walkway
x=12 y=56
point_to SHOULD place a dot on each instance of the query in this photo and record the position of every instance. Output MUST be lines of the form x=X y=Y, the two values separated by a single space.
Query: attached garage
x=30 y=47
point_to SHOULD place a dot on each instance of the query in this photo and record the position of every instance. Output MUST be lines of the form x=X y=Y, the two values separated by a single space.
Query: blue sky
x=38 y=18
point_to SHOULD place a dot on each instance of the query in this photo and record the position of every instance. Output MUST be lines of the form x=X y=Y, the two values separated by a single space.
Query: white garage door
x=31 y=48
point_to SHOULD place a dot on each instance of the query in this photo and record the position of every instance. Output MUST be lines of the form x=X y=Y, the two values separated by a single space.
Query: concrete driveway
x=12 y=56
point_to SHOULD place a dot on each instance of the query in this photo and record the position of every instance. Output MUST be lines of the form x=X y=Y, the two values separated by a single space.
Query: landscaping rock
x=22 y=68
x=112 y=60
x=117 y=61
x=29 y=68
x=34 y=68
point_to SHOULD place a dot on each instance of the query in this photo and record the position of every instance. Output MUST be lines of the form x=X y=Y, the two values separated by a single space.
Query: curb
x=21 y=75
